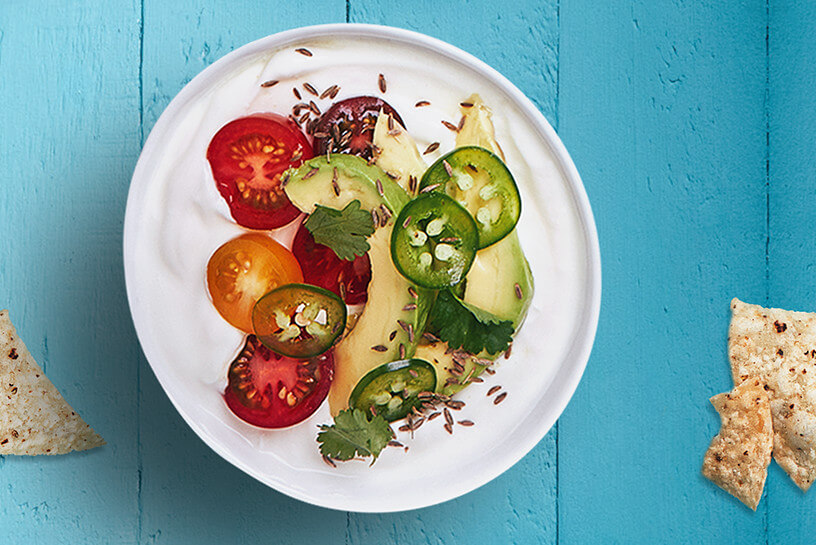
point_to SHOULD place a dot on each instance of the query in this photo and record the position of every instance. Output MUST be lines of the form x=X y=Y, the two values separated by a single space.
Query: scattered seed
x=392 y=335
x=412 y=292
x=433 y=415
x=405 y=427
x=380 y=191
x=417 y=423
x=311 y=173
x=406 y=448
x=409 y=306
x=432 y=147
x=321 y=135
x=328 y=91
x=296 y=93
x=430 y=337
x=476 y=379
x=499 y=398
x=493 y=390
x=449 y=240
x=518 y=290
x=379 y=348
x=425 y=395
x=395 y=444
x=381 y=83
x=490 y=371
x=412 y=184
x=430 y=188
x=465 y=423
x=461 y=124
x=455 y=404
x=285 y=179
x=403 y=325
x=342 y=291
x=422 y=103
x=466 y=104
x=484 y=362
x=448 y=168
x=329 y=461
x=448 y=416
x=402 y=351
x=304 y=117
x=303 y=51
x=507 y=352
x=448 y=428
x=313 y=107
x=390 y=123
x=406 y=222
x=450 y=126
x=413 y=373
x=310 y=88
x=410 y=333
x=392 y=175
x=270 y=83
x=375 y=217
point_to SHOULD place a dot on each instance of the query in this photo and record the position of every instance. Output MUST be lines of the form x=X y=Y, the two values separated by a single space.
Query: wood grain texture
x=792 y=194
x=661 y=105
x=69 y=126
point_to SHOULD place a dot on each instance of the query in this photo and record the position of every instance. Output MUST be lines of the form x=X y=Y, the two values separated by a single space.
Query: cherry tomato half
x=348 y=126
x=248 y=156
x=322 y=267
x=272 y=391
x=243 y=270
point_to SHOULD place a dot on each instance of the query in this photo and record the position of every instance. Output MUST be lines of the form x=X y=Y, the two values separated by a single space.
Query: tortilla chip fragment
x=779 y=347
x=34 y=418
x=737 y=460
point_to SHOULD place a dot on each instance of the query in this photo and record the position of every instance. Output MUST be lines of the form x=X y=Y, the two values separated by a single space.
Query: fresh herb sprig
x=344 y=231
x=354 y=434
x=467 y=327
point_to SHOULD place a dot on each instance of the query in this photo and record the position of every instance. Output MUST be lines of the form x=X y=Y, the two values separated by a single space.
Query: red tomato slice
x=248 y=157
x=273 y=391
x=348 y=126
x=321 y=267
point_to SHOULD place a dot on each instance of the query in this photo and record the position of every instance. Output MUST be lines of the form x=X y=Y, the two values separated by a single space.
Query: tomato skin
x=248 y=157
x=354 y=119
x=235 y=288
x=321 y=267
x=258 y=375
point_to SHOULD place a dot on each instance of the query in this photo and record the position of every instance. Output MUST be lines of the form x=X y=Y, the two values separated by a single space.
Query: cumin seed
x=381 y=83
x=432 y=147
x=466 y=104
x=395 y=444
x=448 y=168
x=493 y=390
x=450 y=126
x=448 y=416
x=448 y=428
x=406 y=222
x=303 y=51
x=499 y=398
x=404 y=428
x=392 y=335
x=429 y=188
x=517 y=288
x=413 y=373
x=270 y=83
x=310 y=88
x=422 y=103
x=455 y=404
x=402 y=351
x=380 y=191
x=329 y=461
x=465 y=423
x=409 y=306
x=296 y=93
x=412 y=292
x=433 y=415
x=313 y=107
x=311 y=173
x=379 y=348
x=461 y=124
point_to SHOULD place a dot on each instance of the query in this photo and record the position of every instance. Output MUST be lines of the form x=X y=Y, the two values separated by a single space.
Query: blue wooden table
x=693 y=126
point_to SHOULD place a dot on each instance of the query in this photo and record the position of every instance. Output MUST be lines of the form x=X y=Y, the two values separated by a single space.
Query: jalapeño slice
x=392 y=389
x=478 y=180
x=299 y=320
x=434 y=241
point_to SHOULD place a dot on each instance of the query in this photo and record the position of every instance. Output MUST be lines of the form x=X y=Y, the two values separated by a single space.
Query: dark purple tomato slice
x=348 y=126
x=273 y=391
x=321 y=267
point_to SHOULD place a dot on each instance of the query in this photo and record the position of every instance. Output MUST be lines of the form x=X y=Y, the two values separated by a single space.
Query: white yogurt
x=176 y=219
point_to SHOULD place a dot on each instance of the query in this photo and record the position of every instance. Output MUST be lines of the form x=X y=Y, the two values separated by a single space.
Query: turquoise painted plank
x=662 y=106
x=69 y=137
x=792 y=192
x=188 y=493
x=521 y=41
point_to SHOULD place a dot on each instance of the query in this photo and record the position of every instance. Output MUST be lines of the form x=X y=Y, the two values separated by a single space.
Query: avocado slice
x=491 y=282
x=396 y=310
x=397 y=152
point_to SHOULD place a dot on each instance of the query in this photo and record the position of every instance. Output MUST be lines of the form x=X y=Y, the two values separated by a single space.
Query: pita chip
x=34 y=418
x=779 y=347
x=738 y=457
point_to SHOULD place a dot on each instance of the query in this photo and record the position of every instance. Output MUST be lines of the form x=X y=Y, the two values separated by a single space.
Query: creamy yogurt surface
x=176 y=219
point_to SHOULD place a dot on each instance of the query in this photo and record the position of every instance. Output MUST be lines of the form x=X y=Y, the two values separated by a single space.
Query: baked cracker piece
x=738 y=457
x=779 y=347
x=34 y=418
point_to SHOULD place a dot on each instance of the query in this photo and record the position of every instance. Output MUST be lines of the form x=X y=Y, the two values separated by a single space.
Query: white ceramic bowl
x=175 y=219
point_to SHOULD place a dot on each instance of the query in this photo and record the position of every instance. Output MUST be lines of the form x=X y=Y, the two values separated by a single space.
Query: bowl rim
x=566 y=378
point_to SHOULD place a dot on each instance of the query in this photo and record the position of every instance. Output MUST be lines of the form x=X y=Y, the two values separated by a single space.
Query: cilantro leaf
x=353 y=434
x=344 y=231
x=467 y=327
